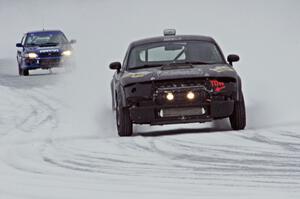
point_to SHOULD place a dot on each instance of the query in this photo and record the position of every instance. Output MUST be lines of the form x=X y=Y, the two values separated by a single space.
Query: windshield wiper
x=191 y=63
x=170 y=65
x=146 y=66
x=187 y=64
x=49 y=44
x=31 y=44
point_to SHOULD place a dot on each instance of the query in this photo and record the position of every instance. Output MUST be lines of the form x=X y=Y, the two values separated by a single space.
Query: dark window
x=44 y=38
x=174 y=52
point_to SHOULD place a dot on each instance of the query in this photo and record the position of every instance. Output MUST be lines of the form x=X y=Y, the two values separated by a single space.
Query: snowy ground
x=44 y=154
x=57 y=133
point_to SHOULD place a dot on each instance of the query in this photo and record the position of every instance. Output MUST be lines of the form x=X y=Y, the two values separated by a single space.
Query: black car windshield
x=45 y=39
x=165 y=53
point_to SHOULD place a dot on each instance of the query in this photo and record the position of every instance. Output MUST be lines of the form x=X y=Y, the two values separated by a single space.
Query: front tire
x=23 y=72
x=238 y=117
x=124 y=123
x=20 y=71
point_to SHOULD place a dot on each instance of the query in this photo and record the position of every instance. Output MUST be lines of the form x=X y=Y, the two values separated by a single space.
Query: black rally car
x=176 y=79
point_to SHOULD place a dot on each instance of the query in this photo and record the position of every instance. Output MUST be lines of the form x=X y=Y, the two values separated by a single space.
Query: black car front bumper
x=159 y=115
x=154 y=107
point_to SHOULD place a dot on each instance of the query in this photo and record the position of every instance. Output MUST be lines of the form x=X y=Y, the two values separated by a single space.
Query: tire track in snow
x=37 y=112
x=182 y=158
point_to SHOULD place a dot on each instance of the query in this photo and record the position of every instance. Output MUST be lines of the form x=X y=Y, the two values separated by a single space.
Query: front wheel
x=124 y=122
x=23 y=72
x=20 y=70
x=238 y=117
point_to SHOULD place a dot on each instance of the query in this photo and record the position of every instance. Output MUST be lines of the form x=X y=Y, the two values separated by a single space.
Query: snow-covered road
x=47 y=152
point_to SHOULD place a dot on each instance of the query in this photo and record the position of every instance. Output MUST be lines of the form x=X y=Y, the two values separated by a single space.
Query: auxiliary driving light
x=190 y=95
x=170 y=96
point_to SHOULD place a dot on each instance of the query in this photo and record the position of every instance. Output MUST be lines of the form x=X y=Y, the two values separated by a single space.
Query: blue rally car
x=43 y=50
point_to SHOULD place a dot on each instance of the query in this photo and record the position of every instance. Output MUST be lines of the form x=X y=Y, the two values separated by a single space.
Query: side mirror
x=19 y=45
x=232 y=58
x=73 y=41
x=115 y=66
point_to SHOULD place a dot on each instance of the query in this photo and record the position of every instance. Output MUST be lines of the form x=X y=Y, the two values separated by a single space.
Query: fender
x=121 y=96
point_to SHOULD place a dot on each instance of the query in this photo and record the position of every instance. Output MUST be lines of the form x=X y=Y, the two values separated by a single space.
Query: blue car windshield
x=45 y=39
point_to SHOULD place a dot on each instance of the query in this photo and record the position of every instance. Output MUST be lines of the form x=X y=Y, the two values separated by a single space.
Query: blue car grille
x=49 y=62
x=50 y=54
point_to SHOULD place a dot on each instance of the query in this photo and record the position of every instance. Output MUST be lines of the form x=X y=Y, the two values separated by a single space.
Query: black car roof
x=171 y=38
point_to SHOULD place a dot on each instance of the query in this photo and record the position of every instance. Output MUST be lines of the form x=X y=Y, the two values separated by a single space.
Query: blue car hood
x=47 y=49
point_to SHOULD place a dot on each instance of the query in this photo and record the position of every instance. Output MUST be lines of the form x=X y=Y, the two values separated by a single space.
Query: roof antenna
x=43 y=21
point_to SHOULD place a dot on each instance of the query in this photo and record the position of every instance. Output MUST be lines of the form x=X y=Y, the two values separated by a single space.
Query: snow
x=57 y=133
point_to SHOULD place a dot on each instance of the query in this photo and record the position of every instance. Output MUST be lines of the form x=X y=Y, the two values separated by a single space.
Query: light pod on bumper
x=170 y=96
x=190 y=95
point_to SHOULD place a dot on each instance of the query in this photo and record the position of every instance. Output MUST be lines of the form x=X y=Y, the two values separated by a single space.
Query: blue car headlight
x=31 y=55
x=66 y=53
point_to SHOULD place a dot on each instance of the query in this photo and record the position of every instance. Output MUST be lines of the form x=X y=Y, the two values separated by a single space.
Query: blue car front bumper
x=44 y=63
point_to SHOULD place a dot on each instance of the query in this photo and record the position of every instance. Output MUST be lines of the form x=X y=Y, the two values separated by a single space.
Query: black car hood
x=177 y=72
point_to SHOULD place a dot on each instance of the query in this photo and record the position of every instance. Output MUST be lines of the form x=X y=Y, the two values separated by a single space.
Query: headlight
x=170 y=96
x=31 y=55
x=67 y=53
x=190 y=95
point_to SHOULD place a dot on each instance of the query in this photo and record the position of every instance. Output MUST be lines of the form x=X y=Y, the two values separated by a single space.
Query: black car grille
x=182 y=83
x=50 y=54
x=180 y=89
